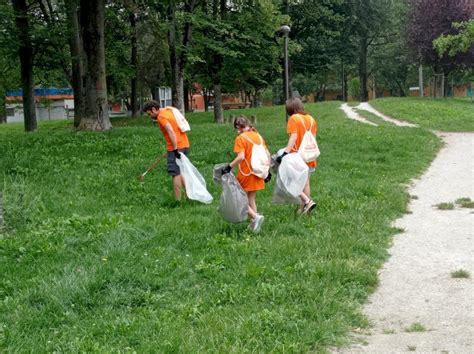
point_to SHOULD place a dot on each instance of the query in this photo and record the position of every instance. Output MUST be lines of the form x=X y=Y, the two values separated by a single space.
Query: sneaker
x=308 y=207
x=251 y=225
x=257 y=223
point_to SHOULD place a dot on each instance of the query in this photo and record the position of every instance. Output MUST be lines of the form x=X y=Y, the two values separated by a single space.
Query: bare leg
x=252 y=204
x=307 y=189
x=178 y=184
x=305 y=196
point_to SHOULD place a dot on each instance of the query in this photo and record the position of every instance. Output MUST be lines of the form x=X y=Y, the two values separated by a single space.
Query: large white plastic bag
x=234 y=202
x=281 y=195
x=291 y=179
x=193 y=181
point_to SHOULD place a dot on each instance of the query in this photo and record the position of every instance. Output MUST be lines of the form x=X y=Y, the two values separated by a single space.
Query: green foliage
x=460 y=274
x=354 y=88
x=445 y=206
x=415 y=327
x=93 y=260
x=456 y=43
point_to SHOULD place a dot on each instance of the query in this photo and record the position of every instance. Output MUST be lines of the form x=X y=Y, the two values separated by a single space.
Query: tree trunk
x=178 y=58
x=96 y=113
x=206 y=100
x=134 y=62
x=255 y=100
x=25 y=51
x=420 y=80
x=186 y=98
x=364 y=94
x=75 y=47
x=218 y=115
x=172 y=41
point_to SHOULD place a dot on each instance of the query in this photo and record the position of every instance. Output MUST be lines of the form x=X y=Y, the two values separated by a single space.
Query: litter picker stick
x=141 y=178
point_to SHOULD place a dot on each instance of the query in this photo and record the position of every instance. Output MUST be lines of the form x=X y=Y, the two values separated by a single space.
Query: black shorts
x=173 y=168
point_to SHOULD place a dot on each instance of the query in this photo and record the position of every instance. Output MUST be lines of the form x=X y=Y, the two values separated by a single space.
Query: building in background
x=50 y=104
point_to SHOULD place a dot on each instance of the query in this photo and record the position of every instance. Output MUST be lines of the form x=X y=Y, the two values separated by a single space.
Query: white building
x=50 y=104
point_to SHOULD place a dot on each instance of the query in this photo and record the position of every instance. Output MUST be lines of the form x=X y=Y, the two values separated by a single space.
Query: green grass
x=415 y=327
x=373 y=118
x=445 y=206
x=465 y=203
x=460 y=273
x=451 y=115
x=93 y=260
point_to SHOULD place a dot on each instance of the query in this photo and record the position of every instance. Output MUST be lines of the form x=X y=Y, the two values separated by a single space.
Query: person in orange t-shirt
x=247 y=136
x=176 y=141
x=298 y=123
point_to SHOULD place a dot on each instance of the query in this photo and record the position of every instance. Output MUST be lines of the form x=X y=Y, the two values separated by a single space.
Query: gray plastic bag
x=234 y=203
x=217 y=172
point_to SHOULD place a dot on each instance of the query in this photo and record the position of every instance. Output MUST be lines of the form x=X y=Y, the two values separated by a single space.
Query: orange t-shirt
x=295 y=125
x=164 y=117
x=248 y=181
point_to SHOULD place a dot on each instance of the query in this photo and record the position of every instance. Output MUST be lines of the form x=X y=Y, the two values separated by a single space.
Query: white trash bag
x=290 y=180
x=234 y=202
x=193 y=181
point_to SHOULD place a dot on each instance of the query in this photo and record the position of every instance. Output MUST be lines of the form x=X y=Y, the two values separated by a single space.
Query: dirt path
x=419 y=306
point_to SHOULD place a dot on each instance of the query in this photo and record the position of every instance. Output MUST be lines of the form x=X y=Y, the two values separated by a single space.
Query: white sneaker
x=308 y=207
x=257 y=223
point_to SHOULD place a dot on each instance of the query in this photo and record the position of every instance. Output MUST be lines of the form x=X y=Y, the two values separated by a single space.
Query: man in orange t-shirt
x=298 y=123
x=176 y=141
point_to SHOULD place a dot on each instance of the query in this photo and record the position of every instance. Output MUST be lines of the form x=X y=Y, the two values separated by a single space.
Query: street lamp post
x=285 y=30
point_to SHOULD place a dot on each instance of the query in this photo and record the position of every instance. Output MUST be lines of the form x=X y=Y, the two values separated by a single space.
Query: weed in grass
x=411 y=348
x=398 y=230
x=445 y=206
x=465 y=203
x=388 y=331
x=415 y=327
x=460 y=273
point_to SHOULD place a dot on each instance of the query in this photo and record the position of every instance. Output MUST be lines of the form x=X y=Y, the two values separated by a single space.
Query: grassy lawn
x=372 y=117
x=450 y=115
x=93 y=260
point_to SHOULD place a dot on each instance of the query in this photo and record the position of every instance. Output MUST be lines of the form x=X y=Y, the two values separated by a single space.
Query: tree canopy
x=232 y=47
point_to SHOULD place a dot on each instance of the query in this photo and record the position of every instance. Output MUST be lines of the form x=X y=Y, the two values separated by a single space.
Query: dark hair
x=294 y=105
x=242 y=122
x=147 y=106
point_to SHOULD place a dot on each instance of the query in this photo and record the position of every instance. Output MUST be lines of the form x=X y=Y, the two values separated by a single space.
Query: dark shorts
x=173 y=168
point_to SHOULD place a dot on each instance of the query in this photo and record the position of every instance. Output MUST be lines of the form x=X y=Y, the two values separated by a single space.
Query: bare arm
x=291 y=142
x=172 y=135
x=239 y=158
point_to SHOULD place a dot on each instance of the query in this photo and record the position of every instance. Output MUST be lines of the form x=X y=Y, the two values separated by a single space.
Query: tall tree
x=96 y=112
x=133 y=59
x=26 y=54
x=76 y=50
x=371 y=25
x=430 y=19
x=179 y=39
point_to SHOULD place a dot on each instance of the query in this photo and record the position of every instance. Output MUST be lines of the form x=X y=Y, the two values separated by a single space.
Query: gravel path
x=350 y=113
x=419 y=306
x=367 y=107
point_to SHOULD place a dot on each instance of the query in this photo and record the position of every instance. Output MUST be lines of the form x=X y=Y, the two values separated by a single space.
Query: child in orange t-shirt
x=176 y=141
x=298 y=123
x=247 y=137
